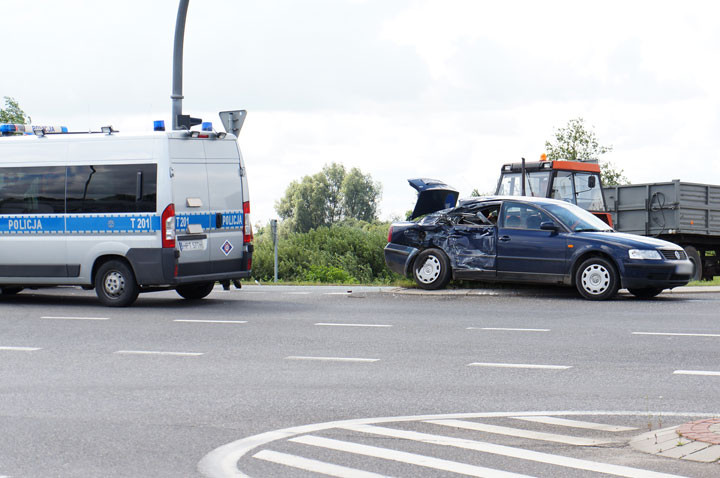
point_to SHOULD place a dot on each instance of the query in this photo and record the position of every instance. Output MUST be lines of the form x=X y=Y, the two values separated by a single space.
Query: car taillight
x=390 y=234
x=247 y=233
x=168 y=227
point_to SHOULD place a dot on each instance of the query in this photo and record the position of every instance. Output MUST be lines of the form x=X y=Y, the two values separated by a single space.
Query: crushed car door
x=433 y=195
x=472 y=245
x=526 y=252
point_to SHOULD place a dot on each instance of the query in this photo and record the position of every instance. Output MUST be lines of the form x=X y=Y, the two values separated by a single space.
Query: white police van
x=123 y=214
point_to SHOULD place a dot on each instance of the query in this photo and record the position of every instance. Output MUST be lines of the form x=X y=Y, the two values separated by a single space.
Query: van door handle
x=218 y=220
x=504 y=238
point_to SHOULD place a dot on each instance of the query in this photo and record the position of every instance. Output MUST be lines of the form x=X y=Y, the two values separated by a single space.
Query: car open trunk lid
x=433 y=195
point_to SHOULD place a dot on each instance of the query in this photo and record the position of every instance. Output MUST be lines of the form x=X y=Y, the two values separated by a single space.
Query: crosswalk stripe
x=404 y=457
x=559 y=460
x=316 y=466
x=564 y=422
x=519 y=432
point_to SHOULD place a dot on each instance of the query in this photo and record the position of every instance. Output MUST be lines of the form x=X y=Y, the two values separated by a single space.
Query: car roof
x=525 y=199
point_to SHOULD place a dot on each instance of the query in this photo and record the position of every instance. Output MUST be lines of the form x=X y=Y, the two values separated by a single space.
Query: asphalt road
x=156 y=389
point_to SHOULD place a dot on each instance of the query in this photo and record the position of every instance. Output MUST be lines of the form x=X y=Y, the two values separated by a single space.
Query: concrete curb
x=677 y=442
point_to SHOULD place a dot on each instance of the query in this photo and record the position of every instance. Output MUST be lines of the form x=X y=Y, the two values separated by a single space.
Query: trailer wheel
x=195 y=291
x=115 y=284
x=694 y=257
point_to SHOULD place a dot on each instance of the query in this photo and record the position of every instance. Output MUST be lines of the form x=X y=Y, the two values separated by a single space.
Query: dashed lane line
x=576 y=424
x=316 y=466
x=696 y=372
x=404 y=457
x=332 y=359
x=676 y=334
x=49 y=317
x=519 y=365
x=520 y=433
x=339 y=324
x=530 y=455
x=201 y=321
x=19 y=349
x=508 y=329
x=157 y=352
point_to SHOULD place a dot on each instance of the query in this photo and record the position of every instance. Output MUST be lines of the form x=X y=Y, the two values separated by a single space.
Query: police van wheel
x=115 y=284
x=195 y=291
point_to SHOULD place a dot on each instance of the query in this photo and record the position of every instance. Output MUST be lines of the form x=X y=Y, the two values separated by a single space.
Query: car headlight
x=644 y=254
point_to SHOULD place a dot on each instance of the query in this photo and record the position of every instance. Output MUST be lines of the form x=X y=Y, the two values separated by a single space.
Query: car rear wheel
x=647 y=293
x=597 y=279
x=431 y=269
x=195 y=291
x=115 y=284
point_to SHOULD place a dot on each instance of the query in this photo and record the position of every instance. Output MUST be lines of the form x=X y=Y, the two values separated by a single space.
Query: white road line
x=337 y=324
x=73 y=318
x=316 y=466
x=298 y=293
x=576 y=424
x=338 y=293
x=404 y=457
x=332 y=359
x=212 y=321
x=507 y=329
x=676 y=334
x=519 y=365
x=154 y=352
x=20 y=349
x=559 y=460
x=695 y=372
x=519 y=432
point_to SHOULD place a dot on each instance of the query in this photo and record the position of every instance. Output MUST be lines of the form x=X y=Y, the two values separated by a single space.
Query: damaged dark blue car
x=527 y=239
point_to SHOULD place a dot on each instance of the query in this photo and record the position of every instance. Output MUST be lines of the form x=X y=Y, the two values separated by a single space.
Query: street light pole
x=177 y=95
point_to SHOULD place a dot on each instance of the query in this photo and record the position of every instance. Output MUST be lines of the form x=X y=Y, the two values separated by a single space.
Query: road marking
x=314 y=465
x=338 y=293
x=332 y=359
x=520 y=433
x=298 y=293
x=154 y=352
x=676 y=334
x=508 y=329
x=519 y=365
x=536 y=456
x=73 y=318
x=695 y=372
x=222 y=461
x=212 y=321
x=335 y=324
x=20 y=349
x=576 y=424
x=404 y=457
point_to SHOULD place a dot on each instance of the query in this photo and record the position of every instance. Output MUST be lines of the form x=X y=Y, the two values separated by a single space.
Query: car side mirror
x=548 y=226
x=591 y=182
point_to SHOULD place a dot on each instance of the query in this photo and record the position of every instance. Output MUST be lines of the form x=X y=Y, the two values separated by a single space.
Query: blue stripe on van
x=32 y=224
x=112 y=223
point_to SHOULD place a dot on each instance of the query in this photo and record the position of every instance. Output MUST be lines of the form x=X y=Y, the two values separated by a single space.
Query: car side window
x=522 y=216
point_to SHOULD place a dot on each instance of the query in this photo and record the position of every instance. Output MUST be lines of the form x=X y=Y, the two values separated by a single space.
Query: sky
x=444 y=89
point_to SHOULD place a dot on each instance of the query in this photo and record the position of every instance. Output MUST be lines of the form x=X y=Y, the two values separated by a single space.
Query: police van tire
x=195 y=291
x=115 y=284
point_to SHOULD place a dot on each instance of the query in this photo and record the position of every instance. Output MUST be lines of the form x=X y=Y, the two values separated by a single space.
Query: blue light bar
x=159 y=125
x=207 y=126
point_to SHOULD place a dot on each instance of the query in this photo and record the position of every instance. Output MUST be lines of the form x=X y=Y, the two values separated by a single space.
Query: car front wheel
x=597 y=279
x=431 y=269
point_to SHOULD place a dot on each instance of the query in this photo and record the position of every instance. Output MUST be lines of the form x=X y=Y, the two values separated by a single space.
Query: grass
x=715 y=281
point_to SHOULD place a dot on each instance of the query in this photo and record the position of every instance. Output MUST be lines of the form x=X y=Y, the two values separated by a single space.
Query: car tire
x=431 y=269
x=647 y=293
x=10 y=290
x=115 y=284
x=195 y=291
x=597 y=279
x=694 y=257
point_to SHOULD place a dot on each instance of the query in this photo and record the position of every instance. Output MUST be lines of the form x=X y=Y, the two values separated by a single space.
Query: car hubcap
x=429 y=271
x=595 y=279
x=114 y=284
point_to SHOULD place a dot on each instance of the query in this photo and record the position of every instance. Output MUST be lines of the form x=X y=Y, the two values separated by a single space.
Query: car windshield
x=577 y=219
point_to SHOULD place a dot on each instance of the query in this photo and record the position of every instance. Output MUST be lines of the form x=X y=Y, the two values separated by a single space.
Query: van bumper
x=157 y=267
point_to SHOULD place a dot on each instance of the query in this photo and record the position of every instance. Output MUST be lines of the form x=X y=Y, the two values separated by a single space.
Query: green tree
x=575 y=142
x=12 y=113
x=327 y=198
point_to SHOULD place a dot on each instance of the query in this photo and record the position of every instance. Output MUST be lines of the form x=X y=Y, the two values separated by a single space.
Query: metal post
x=177 y=95
x=522 y=177
x=273 y=229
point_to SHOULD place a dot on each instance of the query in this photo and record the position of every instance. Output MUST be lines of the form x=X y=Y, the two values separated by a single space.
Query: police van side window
x=112 y=189
x=32 y=190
